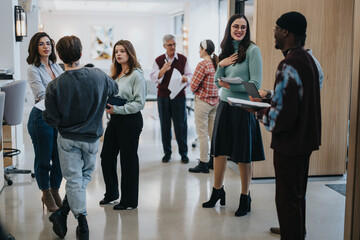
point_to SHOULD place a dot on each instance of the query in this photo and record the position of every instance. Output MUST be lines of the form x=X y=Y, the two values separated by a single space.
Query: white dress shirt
x=154 y=75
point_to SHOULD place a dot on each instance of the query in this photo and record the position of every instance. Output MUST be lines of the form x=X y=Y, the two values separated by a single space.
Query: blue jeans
x=46 y=163
x=174 y=109
x=77 y=160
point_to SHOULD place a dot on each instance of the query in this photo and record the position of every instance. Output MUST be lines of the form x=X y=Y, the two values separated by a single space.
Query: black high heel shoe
x=215 y=196
x=244 y=205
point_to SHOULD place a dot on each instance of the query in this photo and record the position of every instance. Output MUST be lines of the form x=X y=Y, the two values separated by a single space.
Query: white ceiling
x=113 y=6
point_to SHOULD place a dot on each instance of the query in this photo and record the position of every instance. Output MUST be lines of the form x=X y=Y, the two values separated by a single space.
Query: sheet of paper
x=247 y=104
x=40 y=105
x=175 y=84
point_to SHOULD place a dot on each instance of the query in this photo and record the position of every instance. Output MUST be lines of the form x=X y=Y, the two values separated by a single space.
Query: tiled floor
x=170 y=202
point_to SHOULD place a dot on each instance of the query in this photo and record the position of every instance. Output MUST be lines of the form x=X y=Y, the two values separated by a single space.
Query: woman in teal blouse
x=123 y=131
x=236 y=132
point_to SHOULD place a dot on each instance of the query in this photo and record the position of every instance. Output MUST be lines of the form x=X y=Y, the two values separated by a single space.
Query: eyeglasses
x=170 y=45
x=237 y=27
x=40 y=44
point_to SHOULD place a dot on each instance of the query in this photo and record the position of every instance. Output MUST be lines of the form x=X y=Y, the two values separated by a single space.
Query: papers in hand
x=175 y=84
x=233 y=80
x=40 y=105
x=247 y=104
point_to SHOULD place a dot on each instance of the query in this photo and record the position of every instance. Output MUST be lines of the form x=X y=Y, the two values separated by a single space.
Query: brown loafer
x=275 y=230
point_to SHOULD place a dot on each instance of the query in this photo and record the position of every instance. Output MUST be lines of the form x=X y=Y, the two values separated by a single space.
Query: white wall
x=32 y=27
x=10 y=58
x=203 y=20
x=9 y=48
x=144 y=32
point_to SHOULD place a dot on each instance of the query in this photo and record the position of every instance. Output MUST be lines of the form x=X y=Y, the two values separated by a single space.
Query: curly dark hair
x=34 y=56
x=227 y=48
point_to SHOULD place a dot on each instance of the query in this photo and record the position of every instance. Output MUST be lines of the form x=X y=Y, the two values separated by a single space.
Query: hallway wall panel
x=329 y=35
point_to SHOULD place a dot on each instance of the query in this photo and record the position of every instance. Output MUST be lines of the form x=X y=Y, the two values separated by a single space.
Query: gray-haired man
x=171 y=109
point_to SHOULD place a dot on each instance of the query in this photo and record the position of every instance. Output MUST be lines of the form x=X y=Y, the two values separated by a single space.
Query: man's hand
x=166 y=67
x=263 y=93
x=229 y=60
x=224 y=84
x=184 y=79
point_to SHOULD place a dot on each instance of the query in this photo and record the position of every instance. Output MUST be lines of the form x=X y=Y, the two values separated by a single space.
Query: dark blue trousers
x=174 y=110
x=44 y=139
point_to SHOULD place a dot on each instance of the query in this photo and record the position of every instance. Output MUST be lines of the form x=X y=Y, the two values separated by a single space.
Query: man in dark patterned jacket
x=294 y=119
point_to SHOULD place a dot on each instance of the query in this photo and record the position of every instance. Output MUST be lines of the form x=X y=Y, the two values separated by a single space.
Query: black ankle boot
x=59 y=218
x=200 y=168
x=244 y=206
x=82 y=230
x=215 y=196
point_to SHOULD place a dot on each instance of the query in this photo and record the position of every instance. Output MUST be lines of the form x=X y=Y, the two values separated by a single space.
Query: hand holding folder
x=117 y=101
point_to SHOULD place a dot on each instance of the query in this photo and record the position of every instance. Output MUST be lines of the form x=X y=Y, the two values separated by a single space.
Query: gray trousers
x=77 y=161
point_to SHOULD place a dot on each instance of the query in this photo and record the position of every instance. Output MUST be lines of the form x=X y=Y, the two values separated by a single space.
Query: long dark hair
x=210 y=49
x=133 y=62
x=227 y=48
x=34 y=56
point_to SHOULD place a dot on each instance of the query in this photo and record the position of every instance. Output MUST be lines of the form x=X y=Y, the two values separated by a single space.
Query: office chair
x=13 y=112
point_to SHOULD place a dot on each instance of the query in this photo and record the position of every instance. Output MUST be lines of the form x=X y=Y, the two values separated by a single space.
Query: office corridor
x=170 y=201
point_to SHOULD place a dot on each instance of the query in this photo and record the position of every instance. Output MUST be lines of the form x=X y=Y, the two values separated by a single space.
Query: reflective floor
x=170 y=201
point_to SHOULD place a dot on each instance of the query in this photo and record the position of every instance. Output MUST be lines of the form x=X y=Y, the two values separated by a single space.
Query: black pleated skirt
x=236 y=135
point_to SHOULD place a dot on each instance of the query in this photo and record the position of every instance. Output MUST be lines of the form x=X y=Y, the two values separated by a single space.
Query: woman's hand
x=109 y=110
x=224 y=84
x=229 y=60
x=254 y=99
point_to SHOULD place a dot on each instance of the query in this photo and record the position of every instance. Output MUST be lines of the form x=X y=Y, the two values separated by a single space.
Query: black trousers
x=291 y=173
x=174 y=109
x=122 y=134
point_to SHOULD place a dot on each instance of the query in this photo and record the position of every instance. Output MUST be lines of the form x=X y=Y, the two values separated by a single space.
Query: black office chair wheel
x=33 y=175
x=9 y=182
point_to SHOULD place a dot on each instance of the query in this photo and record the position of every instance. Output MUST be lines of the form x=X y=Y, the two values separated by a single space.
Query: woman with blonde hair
x=123 y=131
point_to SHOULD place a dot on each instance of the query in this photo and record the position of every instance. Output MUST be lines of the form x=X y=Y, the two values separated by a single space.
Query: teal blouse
x=133 y=88
x=249 y=70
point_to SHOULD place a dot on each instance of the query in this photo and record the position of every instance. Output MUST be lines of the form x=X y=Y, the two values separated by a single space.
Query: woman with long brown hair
x=236 y=132
x=43 y=69
x=123 y=131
